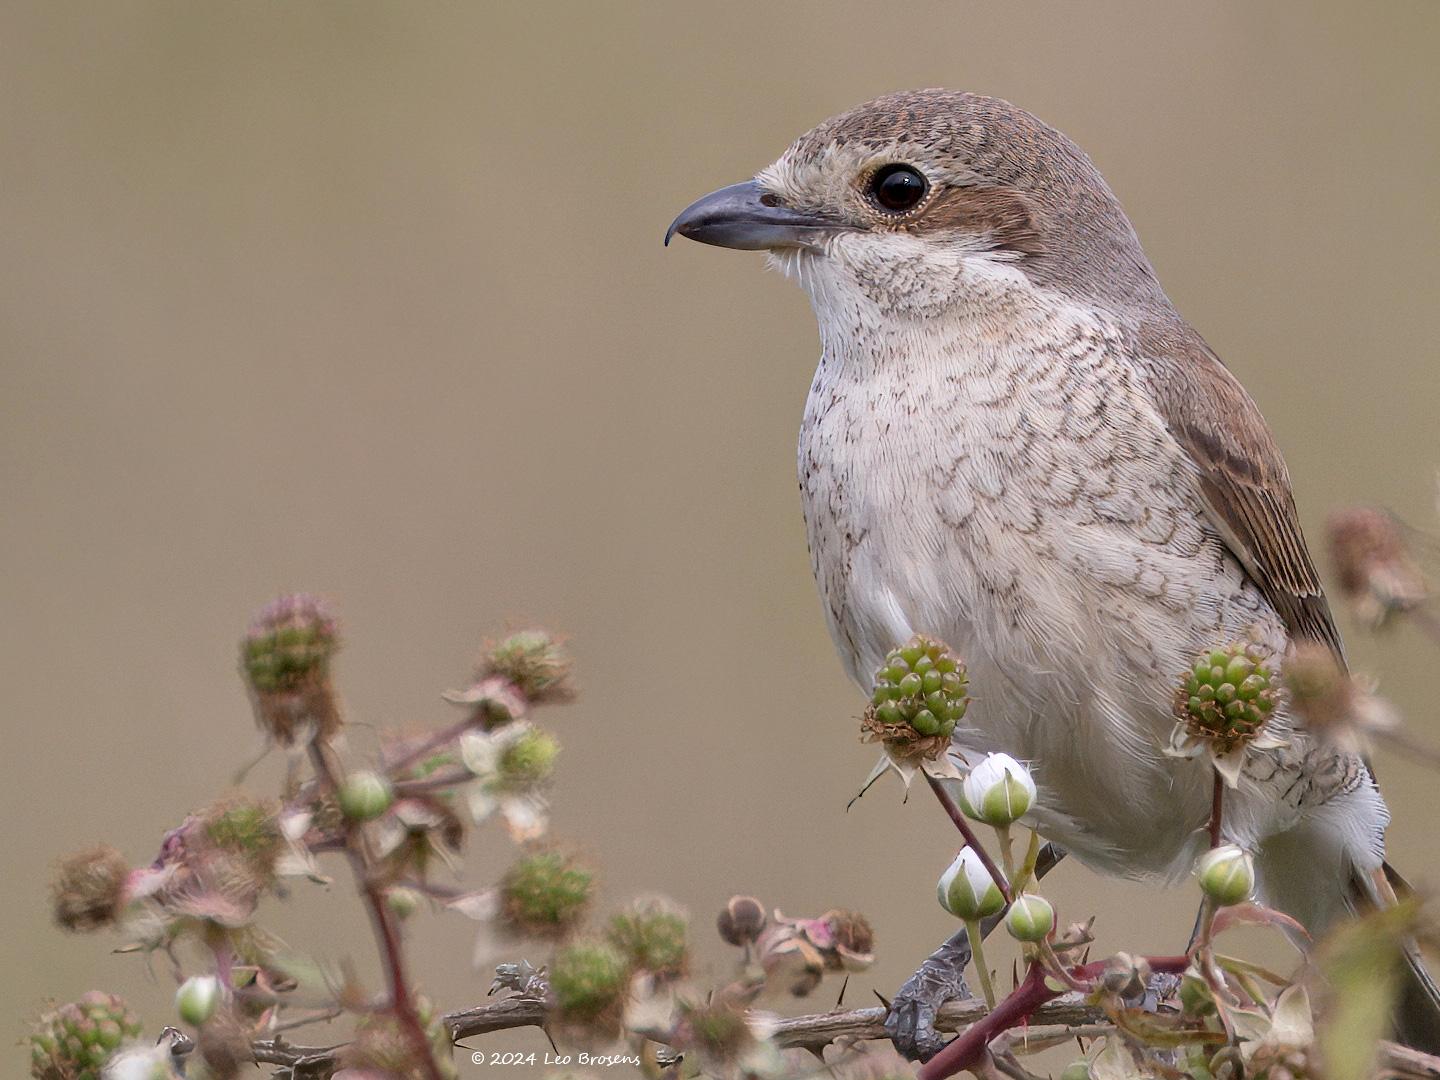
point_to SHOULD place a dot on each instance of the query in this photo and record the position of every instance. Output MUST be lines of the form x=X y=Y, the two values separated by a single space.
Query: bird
x=1015 y=443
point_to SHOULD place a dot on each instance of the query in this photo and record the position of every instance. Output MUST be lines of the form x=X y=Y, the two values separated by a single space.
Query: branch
x=1062 y=1017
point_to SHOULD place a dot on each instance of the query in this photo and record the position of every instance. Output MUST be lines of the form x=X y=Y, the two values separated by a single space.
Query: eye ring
x=898 y=188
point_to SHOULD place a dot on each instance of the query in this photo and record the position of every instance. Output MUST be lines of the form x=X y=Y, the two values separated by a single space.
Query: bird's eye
x=898 y=187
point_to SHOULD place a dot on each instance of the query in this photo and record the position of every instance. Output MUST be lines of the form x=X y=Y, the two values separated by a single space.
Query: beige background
x=370 y=300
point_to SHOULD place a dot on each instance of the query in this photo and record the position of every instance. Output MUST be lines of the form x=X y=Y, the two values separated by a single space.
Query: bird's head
x=918 y=200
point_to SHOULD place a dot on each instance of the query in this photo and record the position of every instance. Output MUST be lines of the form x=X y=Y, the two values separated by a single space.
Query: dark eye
x=898 y=187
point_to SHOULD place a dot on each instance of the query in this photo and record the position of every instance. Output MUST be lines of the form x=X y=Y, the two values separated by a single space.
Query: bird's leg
x=941 y=978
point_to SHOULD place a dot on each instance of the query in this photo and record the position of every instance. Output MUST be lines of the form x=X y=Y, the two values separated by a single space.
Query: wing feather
x=1243 y=477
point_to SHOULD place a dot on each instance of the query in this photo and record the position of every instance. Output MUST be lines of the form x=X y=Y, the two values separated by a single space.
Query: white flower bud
x=1030 y=918
x=1227 y=874
x=364 y=796
x=998 y=791
x=197 y=999
x=967 y=890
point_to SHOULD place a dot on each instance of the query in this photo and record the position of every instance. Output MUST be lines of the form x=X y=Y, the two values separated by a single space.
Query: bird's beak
x=739 y=216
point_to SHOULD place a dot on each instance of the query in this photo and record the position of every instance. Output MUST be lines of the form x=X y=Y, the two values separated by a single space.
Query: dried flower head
x=920 y=694
x=1378 y=574
x=546 y=894
x=1330 y=702
x=285 y=658
x=799 y=951
x=534 y=662
x=741 y=921
x=382 y=1044
x=89 y=888
x=1222 y=707
x=75 y=1041
x=653 y=937
x=246 y=829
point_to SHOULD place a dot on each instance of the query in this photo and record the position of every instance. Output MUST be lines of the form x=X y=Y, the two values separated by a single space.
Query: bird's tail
x=1417 y=1012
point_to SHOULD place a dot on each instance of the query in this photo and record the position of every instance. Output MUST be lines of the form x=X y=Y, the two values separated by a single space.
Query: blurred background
x=369 y=299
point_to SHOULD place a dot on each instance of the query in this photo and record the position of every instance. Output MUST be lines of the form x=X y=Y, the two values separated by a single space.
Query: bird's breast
x=1012 y=491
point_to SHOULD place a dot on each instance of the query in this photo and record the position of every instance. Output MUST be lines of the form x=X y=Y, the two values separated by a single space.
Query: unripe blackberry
x=535 y=662
x=285 y=658
x=1228 y=694
x=653 y=938
x=921 y=693
x=742 y=920
x=76 y=1040
x=527 y=761
x=545 y=894
x=588 y=980
x=88 y=890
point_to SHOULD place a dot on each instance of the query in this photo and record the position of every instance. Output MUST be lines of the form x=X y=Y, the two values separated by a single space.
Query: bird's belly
x=1054 y=542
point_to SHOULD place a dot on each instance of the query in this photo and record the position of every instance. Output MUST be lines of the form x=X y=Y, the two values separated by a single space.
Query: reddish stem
x=1217 y=809
x=387 y=933
x=967 y=1048
x=963 y=824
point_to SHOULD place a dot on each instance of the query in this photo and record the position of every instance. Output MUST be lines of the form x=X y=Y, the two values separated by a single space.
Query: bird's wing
x=1243 y=478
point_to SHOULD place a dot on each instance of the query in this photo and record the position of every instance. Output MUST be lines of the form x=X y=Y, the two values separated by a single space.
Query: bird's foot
x=941 y=978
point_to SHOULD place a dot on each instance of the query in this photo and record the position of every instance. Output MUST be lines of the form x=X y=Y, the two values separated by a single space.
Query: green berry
x=923 y=684
x=76 y=1040
x=1228 y=693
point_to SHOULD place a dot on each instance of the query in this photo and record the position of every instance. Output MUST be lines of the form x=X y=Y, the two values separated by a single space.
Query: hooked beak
x=738 y=217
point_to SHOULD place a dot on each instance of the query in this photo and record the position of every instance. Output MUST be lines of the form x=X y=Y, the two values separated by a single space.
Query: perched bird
x=1013 y=442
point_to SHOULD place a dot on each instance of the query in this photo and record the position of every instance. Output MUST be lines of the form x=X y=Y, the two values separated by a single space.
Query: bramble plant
x=622 y=984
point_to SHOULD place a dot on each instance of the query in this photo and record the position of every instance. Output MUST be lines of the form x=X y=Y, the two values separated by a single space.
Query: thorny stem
x=1034 y=991
x=387 y=933
x=1001 y=881
x=977 y=953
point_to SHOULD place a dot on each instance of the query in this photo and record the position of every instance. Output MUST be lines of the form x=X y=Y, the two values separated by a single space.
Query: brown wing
x=1242 y=475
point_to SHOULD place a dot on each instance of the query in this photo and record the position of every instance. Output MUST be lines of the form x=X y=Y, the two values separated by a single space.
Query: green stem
x=1007 y=856
x=977 y=953
x=1027 y=868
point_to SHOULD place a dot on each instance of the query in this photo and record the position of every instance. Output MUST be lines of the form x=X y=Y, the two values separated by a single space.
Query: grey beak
x=736 y=217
